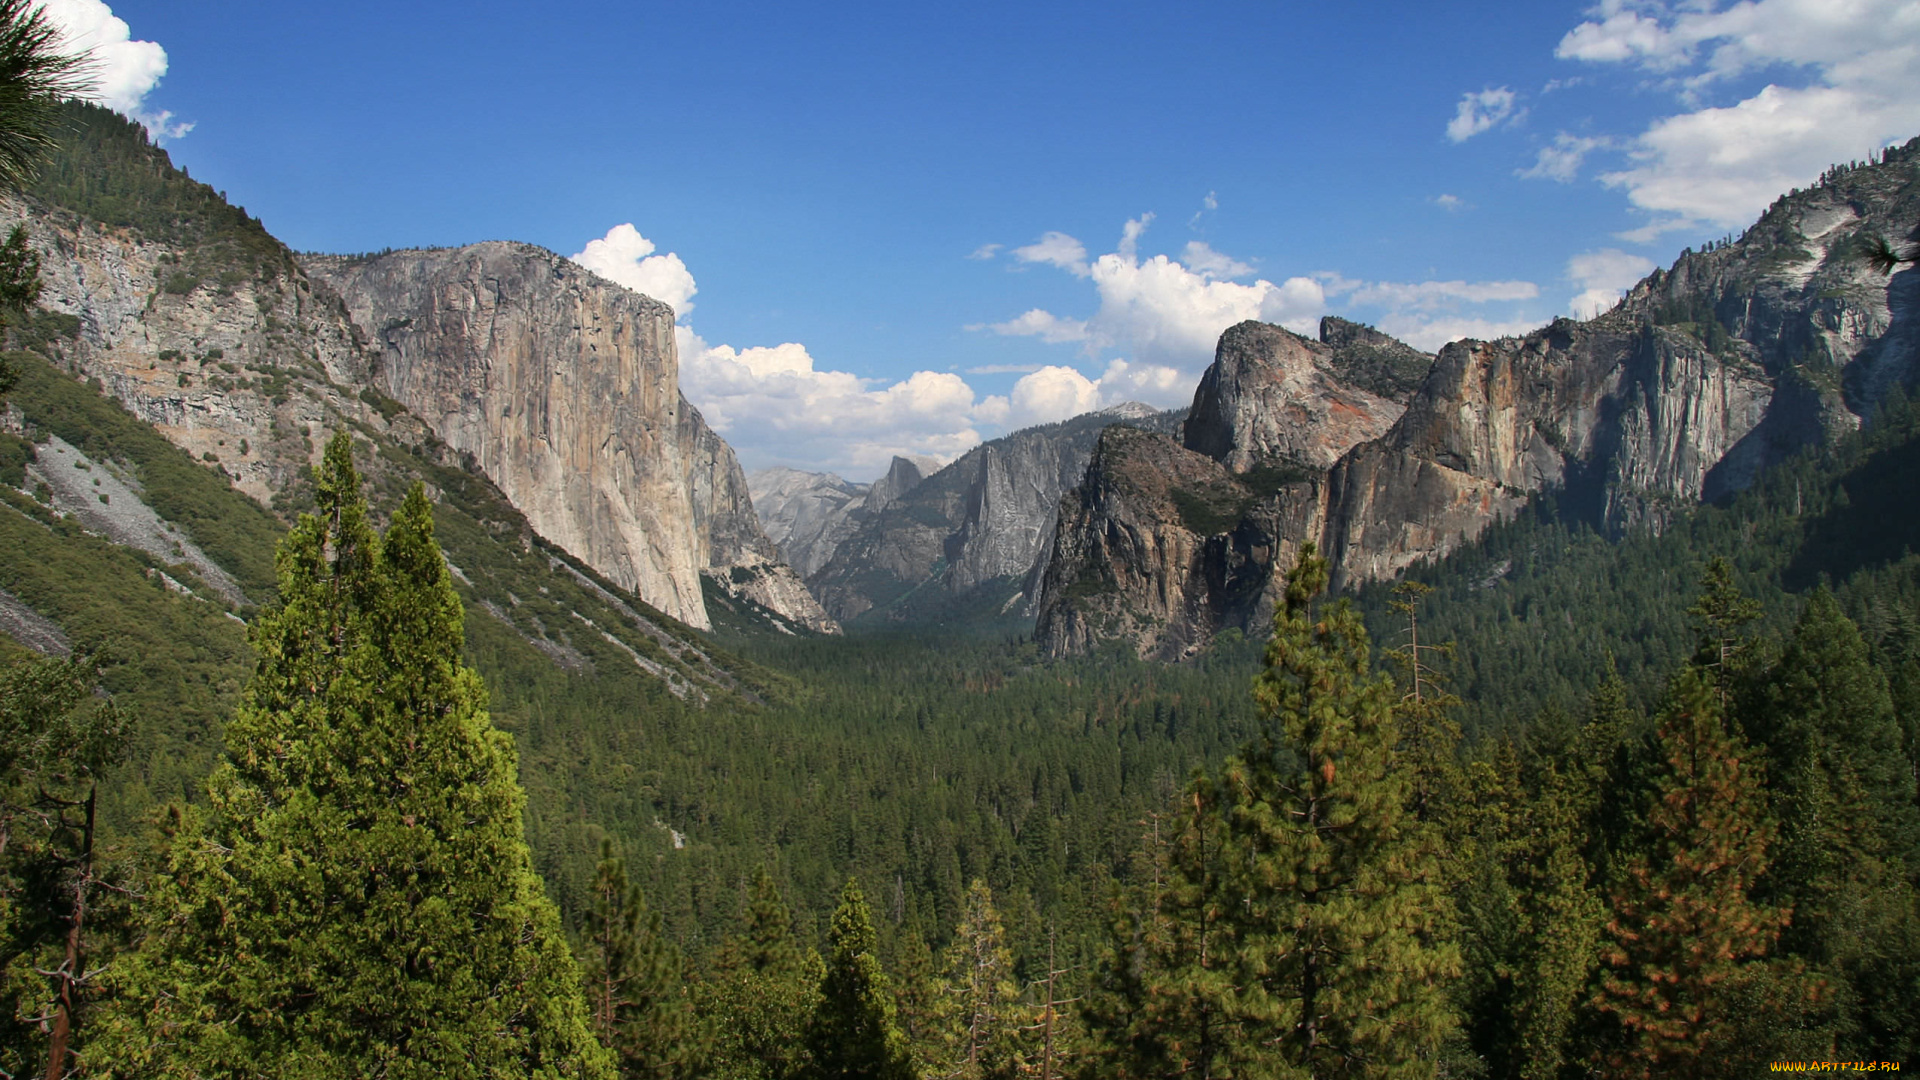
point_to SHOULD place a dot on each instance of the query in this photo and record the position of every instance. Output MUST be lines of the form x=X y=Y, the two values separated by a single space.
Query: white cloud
x=1561 y=160
x=1845 y=71
x=1481 y=112
x=1450 y=203
x=624 y=257
x=1044 y=325
x=1053 y=393
x=1164 y=313
x=774 y=405
x=984 y=251
x=1434 y=295
x=1603 y=277
x=1056 y=249
x=124 y=71
x=1203 y=260
x=1430 y=334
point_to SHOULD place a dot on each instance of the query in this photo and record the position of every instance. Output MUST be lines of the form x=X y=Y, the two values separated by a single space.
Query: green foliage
x=852 y=1034
x=231 y=528
x=1341 y=891
x=1684 y=931
x=978 y=1012
x=109 y=170
x=359 y=897
x=761 y=996
x=34 y=75
x=178 y=661
x=56 y=743
x=1163 y=1003
x=636 y=988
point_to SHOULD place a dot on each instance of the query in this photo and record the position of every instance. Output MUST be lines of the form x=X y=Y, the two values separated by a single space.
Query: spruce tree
x=761 y=994
x=1164 y=1001
x=359 y=899
x=1844 y=796
x=853 y=1035
x=1685 y=935
x=979 y=1009
x=1340 y=905
x=56 y=741
x=636 y=990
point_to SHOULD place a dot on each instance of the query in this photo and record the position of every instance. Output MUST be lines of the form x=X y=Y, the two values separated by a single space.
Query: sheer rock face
x=1162 y=547
x=807 y=514
x=235 y=374
x=739 y=557
x=564 y=388
x=1272 y=396
x=981 y=527
x=1705 y=374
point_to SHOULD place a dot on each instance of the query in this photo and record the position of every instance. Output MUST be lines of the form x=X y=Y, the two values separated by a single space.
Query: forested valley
x=411 y=791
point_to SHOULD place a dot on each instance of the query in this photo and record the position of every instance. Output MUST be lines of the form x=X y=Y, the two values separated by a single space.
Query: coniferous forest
x=1561 y=804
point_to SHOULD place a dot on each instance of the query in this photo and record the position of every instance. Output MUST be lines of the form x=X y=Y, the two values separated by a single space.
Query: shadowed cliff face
x=978 y=530
x=1705 y=374
x=564 y=388
x=1272 y=396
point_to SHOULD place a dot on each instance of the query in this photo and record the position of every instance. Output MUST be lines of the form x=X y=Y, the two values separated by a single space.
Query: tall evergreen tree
x=636 y=990
x=55 y=742
x=979 y=1008
x=853 y=1034
x=1686 y=937
x=359 y=899
x=1339 y=902
x=1844 y=795
x=1164 y=1002
x=761 y=994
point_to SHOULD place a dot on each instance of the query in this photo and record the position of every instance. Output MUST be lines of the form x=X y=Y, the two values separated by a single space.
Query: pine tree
x=55 y=742
x=1684 y=931
x=853 y=1035
x=636 y=990
x=1165 y=997
x=359 y=899
x=979 y=1008
x=1339 y=897
x=1845 y=797
x=762 y=994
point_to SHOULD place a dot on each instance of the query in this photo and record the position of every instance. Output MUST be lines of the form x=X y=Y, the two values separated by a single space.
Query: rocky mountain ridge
x=974 y=533
x=1704 y=374
x=191 y=315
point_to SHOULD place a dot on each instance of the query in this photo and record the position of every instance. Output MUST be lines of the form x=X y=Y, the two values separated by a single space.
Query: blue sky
x=905 y=228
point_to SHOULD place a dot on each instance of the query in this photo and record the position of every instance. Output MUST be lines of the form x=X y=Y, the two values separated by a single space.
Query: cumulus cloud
x=1429 y=333
x=1450 y=203
x=1165 y=313
x=1056 y=249
x=1482 y=112
x=984 y=251
x=624 y=257
x=1561 y=159
x=124 y=71
x=1203 y=260
x=1603 y=277
x=1044 y=325
x=774 y=403
x=1428 y=314
x=1846 y=76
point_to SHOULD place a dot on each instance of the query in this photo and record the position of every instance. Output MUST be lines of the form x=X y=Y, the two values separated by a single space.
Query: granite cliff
x=559 y=387
x=1704 y=374
x=564 y=389
x=974 y=534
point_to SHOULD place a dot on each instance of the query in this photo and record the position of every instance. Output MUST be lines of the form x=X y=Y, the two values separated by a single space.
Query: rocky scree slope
x=1706 y=373
x=975 y=533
